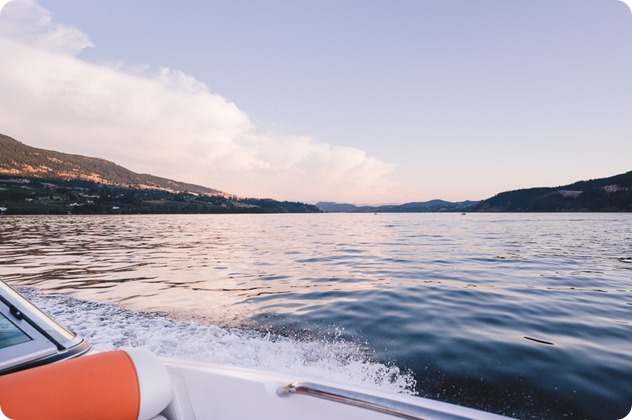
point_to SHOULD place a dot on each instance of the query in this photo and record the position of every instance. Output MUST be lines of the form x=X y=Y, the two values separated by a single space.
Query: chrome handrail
x=426 y=410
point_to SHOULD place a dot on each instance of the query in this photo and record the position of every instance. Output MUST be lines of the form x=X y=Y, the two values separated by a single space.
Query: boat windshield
x=10 y=334
x=30 y=338
x=57 y=333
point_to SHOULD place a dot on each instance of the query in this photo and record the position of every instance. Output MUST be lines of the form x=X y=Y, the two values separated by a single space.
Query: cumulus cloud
x=159 y=121
x=29 y=23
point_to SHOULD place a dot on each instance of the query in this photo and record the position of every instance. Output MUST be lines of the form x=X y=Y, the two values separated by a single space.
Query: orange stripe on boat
x=100 y=386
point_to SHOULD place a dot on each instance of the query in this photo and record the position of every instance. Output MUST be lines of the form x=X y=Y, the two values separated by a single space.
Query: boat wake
x=108 y=326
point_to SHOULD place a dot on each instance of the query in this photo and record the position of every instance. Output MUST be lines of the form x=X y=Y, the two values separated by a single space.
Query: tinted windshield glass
x=10 y=334
x=58 y=333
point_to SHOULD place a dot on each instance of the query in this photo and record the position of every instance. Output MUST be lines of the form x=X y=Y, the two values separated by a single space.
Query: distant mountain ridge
x=613 y=194
x=415 y=207
x=20 y=160
x=38 y=181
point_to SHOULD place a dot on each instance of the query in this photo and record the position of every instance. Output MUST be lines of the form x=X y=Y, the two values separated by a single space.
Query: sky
x=356 y=101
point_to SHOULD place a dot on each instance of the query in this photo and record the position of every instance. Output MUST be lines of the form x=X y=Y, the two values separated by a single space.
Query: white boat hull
x=214 y=392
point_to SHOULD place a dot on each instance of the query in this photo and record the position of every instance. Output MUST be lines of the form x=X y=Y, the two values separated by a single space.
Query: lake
x=526 y=315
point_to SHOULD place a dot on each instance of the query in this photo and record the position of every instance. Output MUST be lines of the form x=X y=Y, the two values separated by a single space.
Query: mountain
x=613 y=194
x=329 y=206
x=38 y=181
x=416 y=207
x=17 y=159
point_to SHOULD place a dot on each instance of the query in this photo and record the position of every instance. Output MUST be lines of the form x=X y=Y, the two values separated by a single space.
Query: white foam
x=108 y=326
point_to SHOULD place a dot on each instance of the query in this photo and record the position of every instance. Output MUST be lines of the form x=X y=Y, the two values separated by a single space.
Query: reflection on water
x=169 y=263
x=528 y=315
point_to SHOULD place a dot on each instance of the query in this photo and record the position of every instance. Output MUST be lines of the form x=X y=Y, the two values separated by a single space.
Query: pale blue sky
x=348 y=100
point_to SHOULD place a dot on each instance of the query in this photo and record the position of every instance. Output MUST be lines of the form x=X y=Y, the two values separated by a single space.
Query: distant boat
x=3 y=210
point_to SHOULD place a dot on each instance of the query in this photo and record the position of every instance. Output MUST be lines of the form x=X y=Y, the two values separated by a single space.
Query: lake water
x=527 y=315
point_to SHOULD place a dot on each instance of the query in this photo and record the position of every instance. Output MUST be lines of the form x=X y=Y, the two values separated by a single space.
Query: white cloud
x=162 y=122
x=3 y=3
x=303 y=167
x=27 y=22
